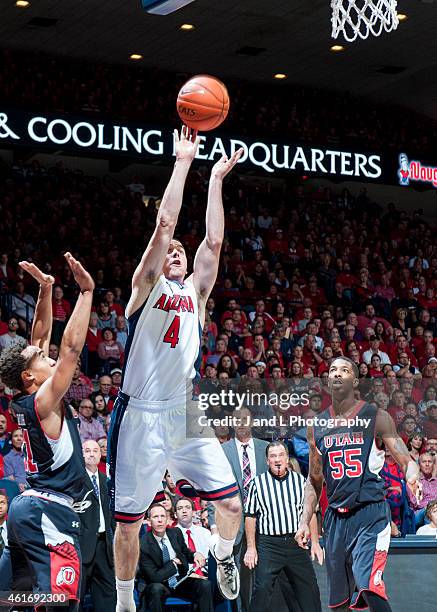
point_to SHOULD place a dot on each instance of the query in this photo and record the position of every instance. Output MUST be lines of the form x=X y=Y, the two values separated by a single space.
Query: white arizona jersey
x=163 y=343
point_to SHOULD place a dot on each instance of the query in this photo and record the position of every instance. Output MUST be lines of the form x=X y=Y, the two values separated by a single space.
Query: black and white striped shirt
x=277 y=503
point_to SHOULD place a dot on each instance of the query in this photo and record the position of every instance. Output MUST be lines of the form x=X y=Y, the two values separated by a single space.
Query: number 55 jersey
x=351 y=458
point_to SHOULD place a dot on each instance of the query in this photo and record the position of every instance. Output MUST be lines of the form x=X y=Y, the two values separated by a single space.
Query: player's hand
x=186 y=144
x=317 y=552
x=81 y=276
x=303 y=535
x=225 y=165
x=45 y=280
x=177 y=561
x=199 y=559
x=251 y=558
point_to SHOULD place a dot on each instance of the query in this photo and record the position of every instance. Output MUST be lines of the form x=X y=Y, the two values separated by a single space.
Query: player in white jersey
x=148 y=427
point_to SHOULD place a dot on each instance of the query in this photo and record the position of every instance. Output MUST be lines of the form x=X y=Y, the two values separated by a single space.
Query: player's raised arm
x=313 y=491
x=152 y=261
x=207 y=257
x=54 y=388
x=386 y=428
x=43 y=318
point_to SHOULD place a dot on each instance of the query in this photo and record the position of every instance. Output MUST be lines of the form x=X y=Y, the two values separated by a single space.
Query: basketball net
x=354 y=18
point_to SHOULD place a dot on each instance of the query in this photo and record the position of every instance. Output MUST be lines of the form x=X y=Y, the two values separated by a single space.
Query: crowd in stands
x=33 y=81
x=305 y=276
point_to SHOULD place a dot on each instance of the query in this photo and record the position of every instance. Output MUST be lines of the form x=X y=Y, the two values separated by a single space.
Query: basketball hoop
x=354 y=18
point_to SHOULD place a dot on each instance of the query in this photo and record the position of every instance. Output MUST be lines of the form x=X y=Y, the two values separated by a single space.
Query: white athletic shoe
x=131 y=608
x=228 y=578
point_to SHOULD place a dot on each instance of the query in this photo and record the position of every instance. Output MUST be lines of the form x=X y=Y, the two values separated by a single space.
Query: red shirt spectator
x=397 y=408
x=113 y=306
x=93 y=335
x=61 y=308
x=278 y=244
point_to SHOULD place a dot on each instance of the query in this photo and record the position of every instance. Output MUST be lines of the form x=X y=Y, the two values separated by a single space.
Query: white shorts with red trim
x=144 y=442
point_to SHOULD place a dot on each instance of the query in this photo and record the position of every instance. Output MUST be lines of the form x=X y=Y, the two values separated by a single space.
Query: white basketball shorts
x=146 y=439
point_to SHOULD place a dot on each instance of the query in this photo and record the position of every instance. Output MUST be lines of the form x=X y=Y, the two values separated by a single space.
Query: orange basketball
x=203 y=103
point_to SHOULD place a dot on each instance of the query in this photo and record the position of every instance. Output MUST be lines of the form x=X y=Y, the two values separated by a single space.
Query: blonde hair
x=176 y=243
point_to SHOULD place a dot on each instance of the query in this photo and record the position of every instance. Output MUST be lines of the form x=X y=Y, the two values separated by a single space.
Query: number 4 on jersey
x=172 y=334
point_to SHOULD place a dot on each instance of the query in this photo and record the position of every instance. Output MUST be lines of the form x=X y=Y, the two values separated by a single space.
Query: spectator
x=234 y=341
x=431 y=446
x=80 y=388
x=115 y=374
x=7 y=275
x=121 y=329
x=430 y=421
x=197 y=538
x=61 y=313
x=113 y=306
x=431 y=515
x=429 y=397
x=375 y=367
x=110 y=351
x=164 y=560
x=363 y=370
x=220 y=350
x=227 y=364
x=93 y=339
x=407 y=427
x=3 y=326
x=260 y=311
x=105 y=385
x=168 y=504
x=97 y=529
x=246 y=456
x=416 y=445
x=22 y=307
x=3 y=521
x=397 y=408
x=375 y=342
x=421 y=493
x=90 y=428
x=246 y=361
x=11 y=337
x=106 y=318
x=54 y=351
x=103 y=445
x=14 y=460
x=100 y=408
x=5 y=440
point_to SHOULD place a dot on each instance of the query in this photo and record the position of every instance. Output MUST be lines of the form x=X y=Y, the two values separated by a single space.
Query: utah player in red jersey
x=349 y=458
x=43 y=551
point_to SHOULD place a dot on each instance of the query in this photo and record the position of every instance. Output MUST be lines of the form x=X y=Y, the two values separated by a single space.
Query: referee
x=274 y=505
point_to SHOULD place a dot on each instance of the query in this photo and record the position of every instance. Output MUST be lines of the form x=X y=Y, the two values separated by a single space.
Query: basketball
x=203 y=103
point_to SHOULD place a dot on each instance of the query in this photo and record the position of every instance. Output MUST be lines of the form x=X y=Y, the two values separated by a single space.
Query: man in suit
x=96 y=533
x=164 y=561
x=197 y=538
x=247 y=457
x=3 y=526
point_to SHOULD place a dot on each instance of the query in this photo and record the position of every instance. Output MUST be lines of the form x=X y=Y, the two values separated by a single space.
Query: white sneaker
x=228 y=578
x=131 y=608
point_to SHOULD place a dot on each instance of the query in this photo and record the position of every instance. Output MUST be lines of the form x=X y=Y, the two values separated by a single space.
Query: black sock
x=376 y=603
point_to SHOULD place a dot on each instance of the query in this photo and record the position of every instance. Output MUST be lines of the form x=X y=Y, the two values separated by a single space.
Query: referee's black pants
x=277 y=553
